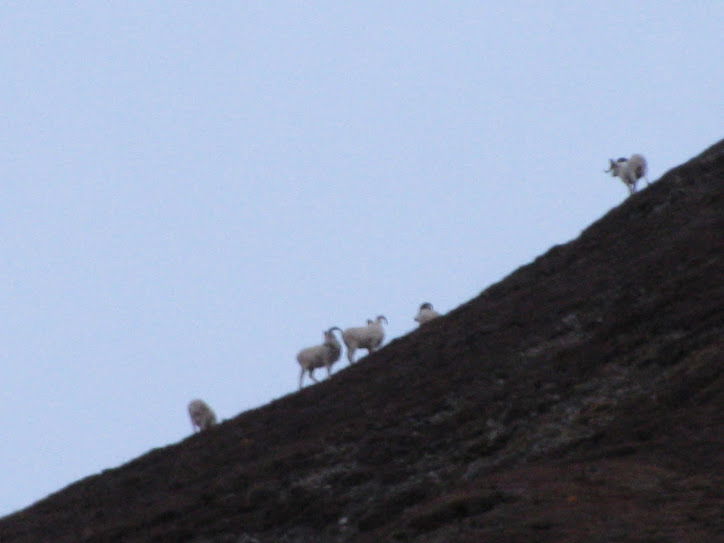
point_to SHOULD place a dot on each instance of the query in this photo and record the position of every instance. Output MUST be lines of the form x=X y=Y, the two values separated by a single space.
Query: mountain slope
x=579 y=399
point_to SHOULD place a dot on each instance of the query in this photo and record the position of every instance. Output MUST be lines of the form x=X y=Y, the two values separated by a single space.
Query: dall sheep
x=320 y=356
x=426 y=313
x=368 y=337
x=202 y=416
x=630 y=170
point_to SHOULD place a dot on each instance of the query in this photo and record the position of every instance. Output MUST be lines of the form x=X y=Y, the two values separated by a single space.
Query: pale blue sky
x=193 y=191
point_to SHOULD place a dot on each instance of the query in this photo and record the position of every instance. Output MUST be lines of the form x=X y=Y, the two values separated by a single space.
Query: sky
x=193 y=191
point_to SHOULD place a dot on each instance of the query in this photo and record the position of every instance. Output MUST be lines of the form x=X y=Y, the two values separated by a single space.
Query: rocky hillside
x=580 y=399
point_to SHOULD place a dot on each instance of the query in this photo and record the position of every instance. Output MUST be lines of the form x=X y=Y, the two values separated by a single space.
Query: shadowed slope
x=579 y=399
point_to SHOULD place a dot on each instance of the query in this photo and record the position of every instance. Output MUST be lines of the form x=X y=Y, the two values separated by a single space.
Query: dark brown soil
x=579 y=400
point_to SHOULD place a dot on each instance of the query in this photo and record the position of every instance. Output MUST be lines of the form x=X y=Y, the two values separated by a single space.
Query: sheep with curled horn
x=368 y=337
x=320 y=356
x=426 y=313
x=629 y=170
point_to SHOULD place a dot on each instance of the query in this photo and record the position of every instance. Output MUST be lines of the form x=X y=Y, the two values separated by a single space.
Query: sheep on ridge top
x=630 y=170
x=320 y=356
x=368 y=337
x=426 y=313
x=202 y=416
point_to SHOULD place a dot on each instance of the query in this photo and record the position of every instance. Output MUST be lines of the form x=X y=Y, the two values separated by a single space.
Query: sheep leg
x=311 y=374
x=350 y=355
x=301 y=378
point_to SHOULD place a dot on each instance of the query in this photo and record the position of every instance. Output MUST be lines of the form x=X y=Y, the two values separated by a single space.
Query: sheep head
x=615 y=167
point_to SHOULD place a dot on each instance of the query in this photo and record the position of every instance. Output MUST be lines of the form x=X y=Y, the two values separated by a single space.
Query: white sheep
x=320 y=356
x=364 y=337
x=426 y=313
x=629 y=170
x=202 y=416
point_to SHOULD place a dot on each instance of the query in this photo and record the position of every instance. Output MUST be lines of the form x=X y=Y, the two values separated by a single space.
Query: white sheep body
x=202 y=416
x=629 y=170
x=319 y=356
x=426 y=313
x=368 y=337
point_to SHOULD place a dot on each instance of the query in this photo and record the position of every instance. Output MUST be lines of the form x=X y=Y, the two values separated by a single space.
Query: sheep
x=202 y=416
x=364 y=337
x=319 y=356
x=629 y=170
x=426 y=313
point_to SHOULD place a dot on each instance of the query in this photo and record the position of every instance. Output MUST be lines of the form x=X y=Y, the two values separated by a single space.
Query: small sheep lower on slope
x=202 y=416
x=426 y=313
x=629 y=170
x=368 y=337
x=320 y=356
